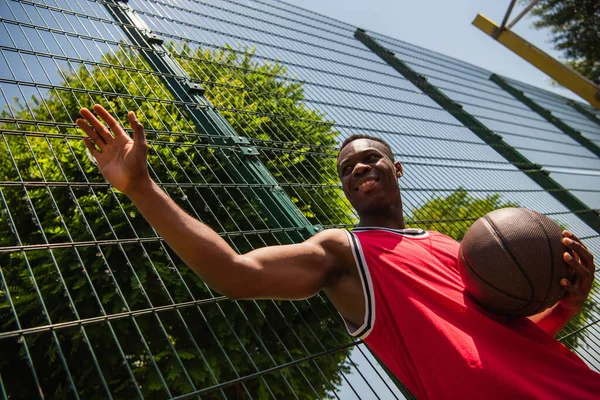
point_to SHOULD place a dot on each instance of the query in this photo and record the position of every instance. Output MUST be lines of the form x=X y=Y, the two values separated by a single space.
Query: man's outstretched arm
x=554 y=319
x=281 y=272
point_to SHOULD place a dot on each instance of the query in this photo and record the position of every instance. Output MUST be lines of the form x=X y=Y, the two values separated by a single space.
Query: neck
x=385 y=218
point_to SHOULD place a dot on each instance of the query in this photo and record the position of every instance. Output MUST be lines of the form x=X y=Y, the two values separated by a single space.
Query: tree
x=215 y=342
x=575 y=27
x=454 y=214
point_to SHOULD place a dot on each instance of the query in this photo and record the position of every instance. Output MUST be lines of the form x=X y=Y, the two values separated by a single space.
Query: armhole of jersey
x=367 y=285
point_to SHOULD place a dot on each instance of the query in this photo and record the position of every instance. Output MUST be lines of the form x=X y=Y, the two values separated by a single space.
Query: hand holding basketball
x=583 y=267
x=518 y=262
x=512 y=261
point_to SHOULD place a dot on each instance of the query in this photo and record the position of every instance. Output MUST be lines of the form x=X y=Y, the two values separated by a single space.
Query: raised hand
x=582 y=263
x=122 y=160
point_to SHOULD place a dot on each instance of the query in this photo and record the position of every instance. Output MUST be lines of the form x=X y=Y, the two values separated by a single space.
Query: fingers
x=581 y=270
x=571 y=235
x=102 y=132
x=575 y=244
x=582 y=266
x=112 y=123
x=572 y=289
x=92 y=134
x=138 y=130
x=567 y=285
x=90 y=145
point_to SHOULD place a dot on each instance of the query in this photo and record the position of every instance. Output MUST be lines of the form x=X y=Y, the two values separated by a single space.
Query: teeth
x=365 y=183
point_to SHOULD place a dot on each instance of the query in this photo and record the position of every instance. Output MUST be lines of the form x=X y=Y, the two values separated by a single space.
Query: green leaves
x=225 y=340
x=454 y=214
x=575 y=27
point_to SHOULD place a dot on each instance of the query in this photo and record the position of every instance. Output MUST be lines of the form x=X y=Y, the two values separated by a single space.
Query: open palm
x=122 y=160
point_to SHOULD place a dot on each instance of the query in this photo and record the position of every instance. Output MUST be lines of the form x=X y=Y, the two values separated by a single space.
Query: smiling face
x=369 y=177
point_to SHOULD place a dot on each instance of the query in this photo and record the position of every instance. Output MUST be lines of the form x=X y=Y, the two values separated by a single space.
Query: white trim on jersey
x=365 y=277
x=409 y=232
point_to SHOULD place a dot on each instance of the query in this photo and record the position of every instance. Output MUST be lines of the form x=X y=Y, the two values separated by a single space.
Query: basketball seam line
x=476 y=274
x=545 y=299
x=512 y=256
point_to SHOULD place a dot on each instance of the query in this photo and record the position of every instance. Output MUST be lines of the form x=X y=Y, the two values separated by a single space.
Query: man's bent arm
x=553 y=319
x=581 y=262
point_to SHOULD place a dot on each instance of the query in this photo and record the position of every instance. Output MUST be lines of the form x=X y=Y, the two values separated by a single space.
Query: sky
x=445 y=26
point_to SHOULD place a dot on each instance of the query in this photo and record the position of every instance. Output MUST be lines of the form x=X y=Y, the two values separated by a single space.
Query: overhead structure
x=556 y=70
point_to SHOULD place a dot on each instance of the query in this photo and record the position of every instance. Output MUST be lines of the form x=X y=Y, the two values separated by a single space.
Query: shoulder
x=331 y=237
x=335 y=241
x=335 y=245
x=442 y=238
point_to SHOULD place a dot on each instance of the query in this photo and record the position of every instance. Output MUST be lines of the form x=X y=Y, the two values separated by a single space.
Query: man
x=396 y=288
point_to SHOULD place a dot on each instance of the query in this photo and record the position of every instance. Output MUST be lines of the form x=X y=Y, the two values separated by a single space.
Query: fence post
x=534 y=171
x=546 y=114
x=583 y=111
x=273 y=198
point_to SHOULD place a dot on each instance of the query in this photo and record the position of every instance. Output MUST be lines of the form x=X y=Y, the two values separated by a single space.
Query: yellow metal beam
x=556 y=70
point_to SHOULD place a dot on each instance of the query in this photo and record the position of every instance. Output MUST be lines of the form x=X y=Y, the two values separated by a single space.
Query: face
x=369 y=177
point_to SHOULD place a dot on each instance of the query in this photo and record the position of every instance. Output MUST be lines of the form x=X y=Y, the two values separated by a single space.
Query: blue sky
x=445 y=26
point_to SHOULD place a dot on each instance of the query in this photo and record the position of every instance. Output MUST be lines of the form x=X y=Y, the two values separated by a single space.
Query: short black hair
x=354 y=137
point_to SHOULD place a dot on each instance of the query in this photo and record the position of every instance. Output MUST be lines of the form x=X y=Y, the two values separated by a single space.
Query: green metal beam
x=534 y=171
x=583 y=111
x=547 y=114
x=273 y=201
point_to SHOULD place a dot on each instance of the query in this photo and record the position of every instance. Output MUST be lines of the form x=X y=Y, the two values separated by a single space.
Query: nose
x=360 y=168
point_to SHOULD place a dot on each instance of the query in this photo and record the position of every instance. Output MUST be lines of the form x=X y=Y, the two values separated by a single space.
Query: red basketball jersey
x=428 y=331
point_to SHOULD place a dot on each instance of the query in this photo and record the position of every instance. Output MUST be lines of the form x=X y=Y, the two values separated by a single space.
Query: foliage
x=453 y=215
x=213 y=343
x=577 y=336
x=272 y=111
x=575 y=27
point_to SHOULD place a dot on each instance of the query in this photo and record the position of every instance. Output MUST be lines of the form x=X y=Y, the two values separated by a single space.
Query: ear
x=399 y=170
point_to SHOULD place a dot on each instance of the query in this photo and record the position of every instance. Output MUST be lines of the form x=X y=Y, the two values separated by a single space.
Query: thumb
x=139 y=138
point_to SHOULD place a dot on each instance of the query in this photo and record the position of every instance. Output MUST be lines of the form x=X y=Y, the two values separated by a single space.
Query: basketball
x=511 y=262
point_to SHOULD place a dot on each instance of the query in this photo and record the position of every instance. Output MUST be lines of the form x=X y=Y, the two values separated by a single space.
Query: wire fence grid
x=94 y=304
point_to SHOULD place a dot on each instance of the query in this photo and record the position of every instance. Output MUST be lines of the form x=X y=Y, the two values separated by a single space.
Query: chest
x=406 y=261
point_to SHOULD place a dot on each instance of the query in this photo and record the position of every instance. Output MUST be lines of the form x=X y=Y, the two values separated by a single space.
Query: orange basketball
x=511 y=262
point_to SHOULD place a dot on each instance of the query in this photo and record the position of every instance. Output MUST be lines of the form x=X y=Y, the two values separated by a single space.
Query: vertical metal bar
x=506 y=16
x=522 y=14
x=4 y=396
x=546 y=114
x=273 y=200
x=534 y=171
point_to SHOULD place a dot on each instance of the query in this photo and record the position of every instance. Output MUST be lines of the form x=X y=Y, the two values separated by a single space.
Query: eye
x=346 y=170
x=372 y=157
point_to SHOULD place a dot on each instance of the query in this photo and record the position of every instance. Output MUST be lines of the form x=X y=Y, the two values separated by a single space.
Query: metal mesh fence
x=580 y=171
x=93 y=304
x=560 y=107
